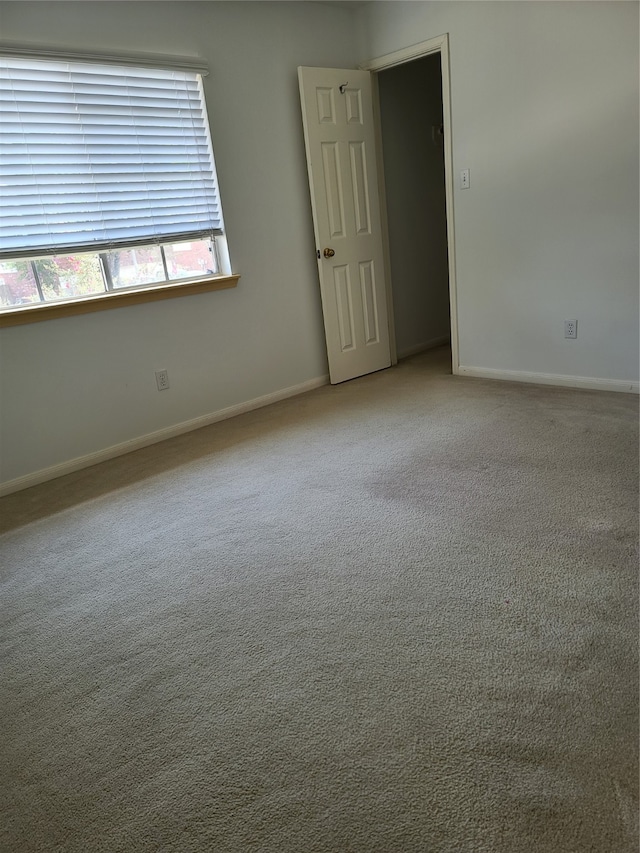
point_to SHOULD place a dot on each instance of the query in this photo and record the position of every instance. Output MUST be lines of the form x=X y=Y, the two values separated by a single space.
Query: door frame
x=439 y=44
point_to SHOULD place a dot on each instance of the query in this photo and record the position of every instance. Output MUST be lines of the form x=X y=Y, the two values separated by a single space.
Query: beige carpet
x=394 y=616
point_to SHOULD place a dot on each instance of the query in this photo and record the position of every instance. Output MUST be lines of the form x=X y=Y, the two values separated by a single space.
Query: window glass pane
x=25 y=281
x=133 y=267
x=186 y=260
x=17 y=284
x=68 y=276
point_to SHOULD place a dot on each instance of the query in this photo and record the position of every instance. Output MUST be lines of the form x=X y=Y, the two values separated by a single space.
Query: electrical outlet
x=571 y=328
x=464 y=179
x=162 y=379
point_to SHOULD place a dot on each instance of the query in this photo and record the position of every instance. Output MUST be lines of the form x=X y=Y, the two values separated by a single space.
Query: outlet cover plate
x=162 y=379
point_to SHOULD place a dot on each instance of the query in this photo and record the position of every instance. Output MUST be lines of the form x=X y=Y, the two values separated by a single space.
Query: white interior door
x=337 y=115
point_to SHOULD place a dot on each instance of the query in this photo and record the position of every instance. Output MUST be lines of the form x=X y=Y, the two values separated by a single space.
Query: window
x=107 y=180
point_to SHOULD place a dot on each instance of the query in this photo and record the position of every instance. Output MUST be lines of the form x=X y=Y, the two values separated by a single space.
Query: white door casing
x=341 y=161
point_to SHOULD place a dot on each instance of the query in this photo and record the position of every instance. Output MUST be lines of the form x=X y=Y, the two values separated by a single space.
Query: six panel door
x=341 y=160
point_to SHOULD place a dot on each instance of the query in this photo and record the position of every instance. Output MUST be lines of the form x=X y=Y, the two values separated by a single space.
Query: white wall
x=74 y=386
x=410 y=106
x=545 y=115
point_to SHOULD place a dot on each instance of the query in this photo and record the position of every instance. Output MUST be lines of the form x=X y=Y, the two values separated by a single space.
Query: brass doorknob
x=328 y=253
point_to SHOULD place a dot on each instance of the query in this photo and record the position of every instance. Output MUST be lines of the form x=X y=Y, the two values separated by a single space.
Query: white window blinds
x=93 y=156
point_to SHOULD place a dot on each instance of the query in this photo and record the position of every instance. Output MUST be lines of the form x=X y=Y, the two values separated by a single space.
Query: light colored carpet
x=394 y=616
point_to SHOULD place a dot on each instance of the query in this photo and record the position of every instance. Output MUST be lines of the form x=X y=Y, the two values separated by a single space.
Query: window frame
x=113 y=297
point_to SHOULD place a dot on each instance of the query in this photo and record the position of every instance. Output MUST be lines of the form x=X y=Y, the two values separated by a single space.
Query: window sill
x=116 y=299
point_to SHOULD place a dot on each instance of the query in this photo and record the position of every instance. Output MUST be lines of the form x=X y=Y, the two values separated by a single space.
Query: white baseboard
x=154 y=437
x=551 y=379
x=423 y=347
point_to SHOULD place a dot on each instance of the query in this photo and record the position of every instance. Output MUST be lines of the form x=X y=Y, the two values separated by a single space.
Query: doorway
x=413 y=157
x=414 y=132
